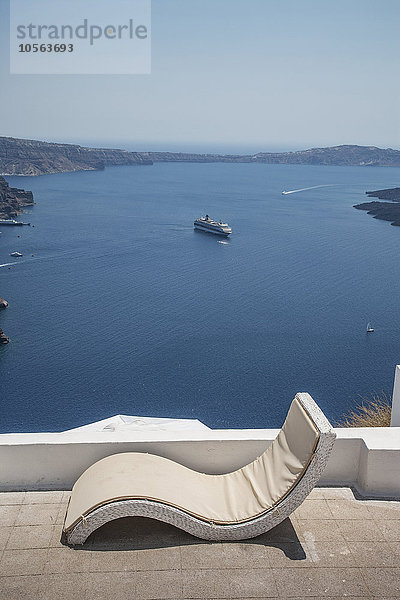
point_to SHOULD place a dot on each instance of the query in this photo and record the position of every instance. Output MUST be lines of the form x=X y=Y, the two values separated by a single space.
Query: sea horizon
x=212 y=147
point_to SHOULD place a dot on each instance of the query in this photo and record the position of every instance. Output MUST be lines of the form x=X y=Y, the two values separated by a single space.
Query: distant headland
x=32 y=157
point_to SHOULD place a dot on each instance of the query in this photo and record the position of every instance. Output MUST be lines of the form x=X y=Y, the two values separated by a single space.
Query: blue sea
x=119 y=306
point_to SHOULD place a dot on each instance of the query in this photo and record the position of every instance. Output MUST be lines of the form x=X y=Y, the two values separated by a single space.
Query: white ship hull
x=210 y=230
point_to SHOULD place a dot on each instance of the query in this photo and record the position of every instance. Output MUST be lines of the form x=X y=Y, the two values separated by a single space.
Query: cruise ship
x=207 y=224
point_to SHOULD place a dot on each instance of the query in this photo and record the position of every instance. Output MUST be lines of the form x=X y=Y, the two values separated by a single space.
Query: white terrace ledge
x=367 y=459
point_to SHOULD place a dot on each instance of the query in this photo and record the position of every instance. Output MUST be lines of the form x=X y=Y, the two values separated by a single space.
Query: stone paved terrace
x=333 y=546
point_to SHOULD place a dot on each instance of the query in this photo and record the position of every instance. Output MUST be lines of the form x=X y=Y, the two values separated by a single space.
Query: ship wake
x=313 y=187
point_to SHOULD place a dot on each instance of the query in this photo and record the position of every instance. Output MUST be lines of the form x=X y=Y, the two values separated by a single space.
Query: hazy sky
x=229 y=74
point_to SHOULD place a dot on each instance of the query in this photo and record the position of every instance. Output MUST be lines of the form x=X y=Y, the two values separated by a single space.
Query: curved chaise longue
x=233 y=506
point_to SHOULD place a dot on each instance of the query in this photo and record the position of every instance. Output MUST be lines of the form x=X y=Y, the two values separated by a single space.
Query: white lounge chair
x=234 y=506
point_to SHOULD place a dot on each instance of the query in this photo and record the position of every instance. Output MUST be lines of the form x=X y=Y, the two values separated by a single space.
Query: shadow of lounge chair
x=233 y=506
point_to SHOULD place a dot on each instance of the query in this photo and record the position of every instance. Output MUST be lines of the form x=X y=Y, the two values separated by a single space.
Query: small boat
x=16 y=254
x=369 y=328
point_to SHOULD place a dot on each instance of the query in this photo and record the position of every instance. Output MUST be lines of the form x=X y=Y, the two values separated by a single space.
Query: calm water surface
x=124 y=308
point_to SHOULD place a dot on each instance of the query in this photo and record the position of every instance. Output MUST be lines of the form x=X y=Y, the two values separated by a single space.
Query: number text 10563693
x=45 y=48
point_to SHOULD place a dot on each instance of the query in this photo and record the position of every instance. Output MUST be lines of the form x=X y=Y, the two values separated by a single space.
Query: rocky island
x=4 y=339
x=32 y=157
x=12 y=200
x=385 y=211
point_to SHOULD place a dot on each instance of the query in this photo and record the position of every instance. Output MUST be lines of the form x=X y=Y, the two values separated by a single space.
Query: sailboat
x=369 y=328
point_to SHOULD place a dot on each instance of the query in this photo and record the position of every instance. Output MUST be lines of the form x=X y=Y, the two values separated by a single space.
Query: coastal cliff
x=385 y=211
x=12 y=200
x=31 y=157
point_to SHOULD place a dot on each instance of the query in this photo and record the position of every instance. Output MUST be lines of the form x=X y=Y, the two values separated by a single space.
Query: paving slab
x=236 y=583
x=44 y=497
x=23 y=562
x=29 y=537
x=390 y=529
x=354 y=530
x=383 y=581
x=38 y=514
x=4 y=535
x=320 y=582
x=9 y=514
x=11 y=498
x=19 y=587
x=377 y=554
x=159 y=585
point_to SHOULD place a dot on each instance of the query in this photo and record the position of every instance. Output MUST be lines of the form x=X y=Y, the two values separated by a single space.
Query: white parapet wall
x=395 y=419
x=367 y=459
